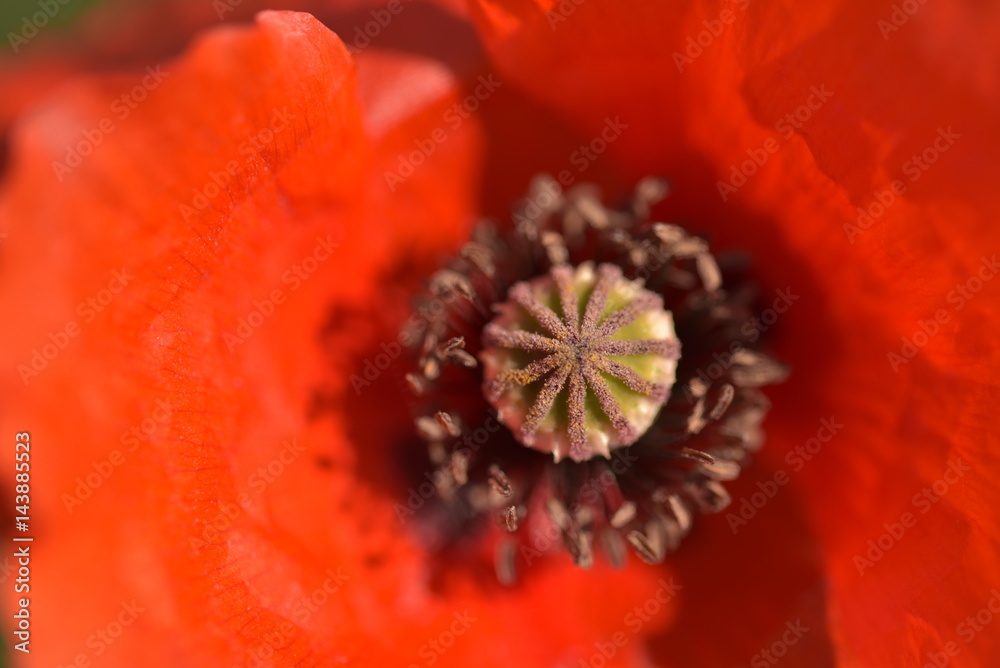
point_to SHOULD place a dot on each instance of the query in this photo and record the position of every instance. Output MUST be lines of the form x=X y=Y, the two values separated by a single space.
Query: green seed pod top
x=579 y=361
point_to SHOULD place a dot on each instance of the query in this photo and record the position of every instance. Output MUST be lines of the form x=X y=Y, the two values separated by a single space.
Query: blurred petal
x=204 y=201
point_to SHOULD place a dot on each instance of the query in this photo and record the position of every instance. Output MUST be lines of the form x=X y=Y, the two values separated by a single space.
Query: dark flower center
x=567 y=328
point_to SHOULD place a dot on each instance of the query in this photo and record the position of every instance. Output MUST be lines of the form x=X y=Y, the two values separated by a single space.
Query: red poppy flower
x=193 y=290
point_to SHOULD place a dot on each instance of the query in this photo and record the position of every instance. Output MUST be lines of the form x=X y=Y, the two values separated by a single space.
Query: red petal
x=132 y=206
x=216 y=524
x=701 y=122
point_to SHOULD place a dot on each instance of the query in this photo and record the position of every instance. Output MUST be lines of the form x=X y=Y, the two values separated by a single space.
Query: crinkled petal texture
x=187 y=276
x=202 y=303
x=848 y=147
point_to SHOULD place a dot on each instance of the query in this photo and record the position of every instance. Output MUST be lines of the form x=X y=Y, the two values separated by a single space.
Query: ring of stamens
x=647 y=495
